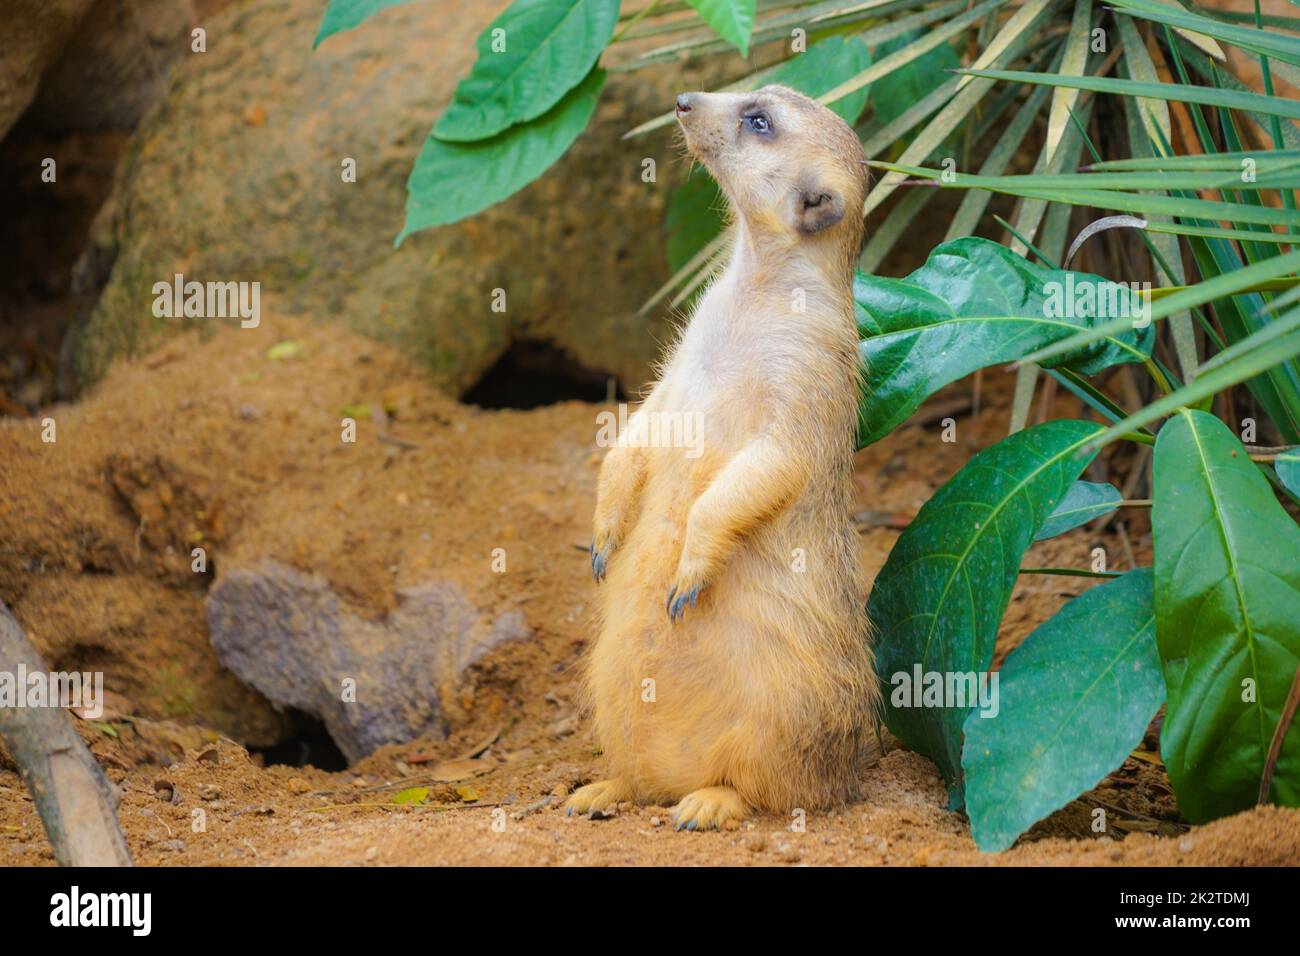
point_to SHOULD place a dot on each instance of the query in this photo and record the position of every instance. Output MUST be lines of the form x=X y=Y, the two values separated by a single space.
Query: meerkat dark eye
x=759 y=123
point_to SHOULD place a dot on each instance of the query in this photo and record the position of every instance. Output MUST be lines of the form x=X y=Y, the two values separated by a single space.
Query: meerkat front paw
x=597 y=796
x=708 y=809
x=599 y=559
x=687 y=585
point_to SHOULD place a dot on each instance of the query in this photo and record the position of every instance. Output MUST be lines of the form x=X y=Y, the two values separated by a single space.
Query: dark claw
x=568 y=811
x=676 y=604
x=598 y=562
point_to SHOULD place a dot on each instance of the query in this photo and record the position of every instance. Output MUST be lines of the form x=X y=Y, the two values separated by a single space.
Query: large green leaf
x=1227 y=564
x=528 y=58
x=732 y=19
x=1084 y=501
x=912 y=82
x=940 y=597
x=451 y=181
x=824 y=66
x=343 y=15
x=1072 y=702
x=973 y=304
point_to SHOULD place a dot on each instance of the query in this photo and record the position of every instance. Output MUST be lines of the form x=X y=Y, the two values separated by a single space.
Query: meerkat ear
x=817 y=208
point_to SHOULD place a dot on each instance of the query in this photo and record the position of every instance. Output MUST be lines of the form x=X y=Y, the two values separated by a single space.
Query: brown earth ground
x=240 y=435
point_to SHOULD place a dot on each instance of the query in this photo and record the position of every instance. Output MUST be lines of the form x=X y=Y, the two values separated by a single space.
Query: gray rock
x=370 y=682
x=236 y=176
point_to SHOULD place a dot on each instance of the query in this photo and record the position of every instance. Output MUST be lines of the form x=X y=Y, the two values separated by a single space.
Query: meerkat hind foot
x=708 y=808
x=598 y=796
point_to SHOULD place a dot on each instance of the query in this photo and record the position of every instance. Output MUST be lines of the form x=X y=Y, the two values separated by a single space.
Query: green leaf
x=1286 y=48
x=282 y=351
x=695 y=216
x=1070 y=704
x=938 y=601
x=973 y=304
x=822 y=67
x=888 y=65
x=343 y=15
x=1227 y=588
x=412 y=796
x=549 y=48
x=733 y=20
x=1073 y=63
x=1232 y=283
x=451 y=181
x=1260 y=352
x=912 y=82
x=1169 y=92
x=1287 y=466
x=1084 y=501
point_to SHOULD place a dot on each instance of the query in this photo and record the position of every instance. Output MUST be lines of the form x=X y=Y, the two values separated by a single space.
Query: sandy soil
x=247 y=447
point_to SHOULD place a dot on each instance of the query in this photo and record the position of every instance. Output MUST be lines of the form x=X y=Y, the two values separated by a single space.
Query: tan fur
x=764 y=691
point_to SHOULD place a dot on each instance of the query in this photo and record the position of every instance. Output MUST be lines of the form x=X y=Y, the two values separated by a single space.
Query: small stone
x=372 y=852
x=1185 y=845
x=298 y=785
x=656 y=822
x=564 y=727
x=209 y=791
x=172 y=846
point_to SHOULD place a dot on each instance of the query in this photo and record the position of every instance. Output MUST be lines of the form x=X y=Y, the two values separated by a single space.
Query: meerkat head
x=790 y=166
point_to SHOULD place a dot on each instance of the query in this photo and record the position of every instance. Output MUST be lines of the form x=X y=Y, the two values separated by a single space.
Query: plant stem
x=1162 y=383
x=1279 y=734
x=637 y=18
x=1071 y=572
x=1268 y=452
x=1140 y=437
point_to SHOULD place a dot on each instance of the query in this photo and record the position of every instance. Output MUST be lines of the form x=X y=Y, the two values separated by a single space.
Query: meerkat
x=733 y=669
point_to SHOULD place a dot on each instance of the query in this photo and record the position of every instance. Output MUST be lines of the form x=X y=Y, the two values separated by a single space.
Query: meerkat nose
x=683 y=103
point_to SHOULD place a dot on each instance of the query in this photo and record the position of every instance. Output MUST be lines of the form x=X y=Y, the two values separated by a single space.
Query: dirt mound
x=233 y=447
